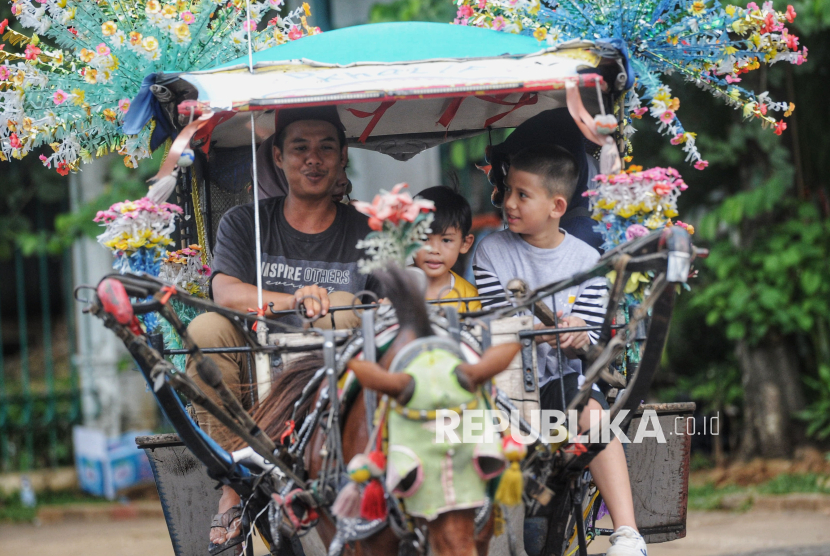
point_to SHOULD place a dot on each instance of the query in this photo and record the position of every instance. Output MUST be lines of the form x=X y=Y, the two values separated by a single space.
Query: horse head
x=428 y=381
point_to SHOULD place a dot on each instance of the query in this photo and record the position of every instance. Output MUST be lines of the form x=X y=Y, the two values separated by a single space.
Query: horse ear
x=493 y=361
x=373 y=376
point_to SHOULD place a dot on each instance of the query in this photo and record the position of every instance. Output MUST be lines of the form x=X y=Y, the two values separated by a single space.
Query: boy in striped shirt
x=538 y=187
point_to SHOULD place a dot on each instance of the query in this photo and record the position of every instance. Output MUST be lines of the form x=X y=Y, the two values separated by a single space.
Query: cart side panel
x=660 y=473
x=188 y=498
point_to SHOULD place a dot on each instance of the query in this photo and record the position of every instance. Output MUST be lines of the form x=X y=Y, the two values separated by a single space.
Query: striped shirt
x=503 y=255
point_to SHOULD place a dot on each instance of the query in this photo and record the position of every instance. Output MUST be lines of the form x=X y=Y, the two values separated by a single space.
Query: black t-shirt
x=290 y=258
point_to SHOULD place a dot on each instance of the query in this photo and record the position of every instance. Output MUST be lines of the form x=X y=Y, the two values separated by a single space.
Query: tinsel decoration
x=71 y=83
x=707 y=43
x=400 y=226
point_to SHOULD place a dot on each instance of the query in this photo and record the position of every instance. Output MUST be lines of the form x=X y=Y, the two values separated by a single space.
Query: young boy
x=450 y=238
x=538 y=186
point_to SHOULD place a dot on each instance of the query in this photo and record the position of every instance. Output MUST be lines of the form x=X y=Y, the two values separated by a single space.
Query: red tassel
x=378 y=463
x=373 y=504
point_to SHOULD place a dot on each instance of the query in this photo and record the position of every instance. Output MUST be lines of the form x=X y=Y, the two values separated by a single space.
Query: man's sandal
x=225 y=521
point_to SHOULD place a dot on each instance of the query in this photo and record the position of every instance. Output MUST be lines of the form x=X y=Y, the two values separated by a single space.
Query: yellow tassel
x=511 y=486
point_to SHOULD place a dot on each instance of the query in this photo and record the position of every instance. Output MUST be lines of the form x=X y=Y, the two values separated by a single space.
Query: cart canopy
x=403 y=87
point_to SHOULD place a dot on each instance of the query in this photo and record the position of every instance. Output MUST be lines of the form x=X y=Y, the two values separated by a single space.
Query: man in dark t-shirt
x=308 y=250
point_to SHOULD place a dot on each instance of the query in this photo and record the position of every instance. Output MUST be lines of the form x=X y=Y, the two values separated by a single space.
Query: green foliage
x=30 y=183
x=773 y=280
x=817 y=414
x=441 y=11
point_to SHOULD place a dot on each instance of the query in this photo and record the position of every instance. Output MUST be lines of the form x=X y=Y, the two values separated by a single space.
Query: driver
x=308 y=249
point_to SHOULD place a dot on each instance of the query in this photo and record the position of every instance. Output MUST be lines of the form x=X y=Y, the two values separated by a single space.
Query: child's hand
x=572 y=343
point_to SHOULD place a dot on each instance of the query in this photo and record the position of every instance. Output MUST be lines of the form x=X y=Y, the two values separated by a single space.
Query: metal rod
x=48 y=362
x=26 y=418
x=550 y=331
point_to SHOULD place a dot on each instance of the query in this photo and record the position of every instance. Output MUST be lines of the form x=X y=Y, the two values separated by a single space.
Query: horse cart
x=399 y=89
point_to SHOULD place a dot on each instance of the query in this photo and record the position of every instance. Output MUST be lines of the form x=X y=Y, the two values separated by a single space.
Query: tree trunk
x=772 y=392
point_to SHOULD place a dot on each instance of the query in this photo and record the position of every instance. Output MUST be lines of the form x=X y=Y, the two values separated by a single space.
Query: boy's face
x=529 y=208
x=441 y=251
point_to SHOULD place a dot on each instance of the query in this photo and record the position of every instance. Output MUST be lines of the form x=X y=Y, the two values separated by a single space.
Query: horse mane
x=407 y=298
x=272 y=412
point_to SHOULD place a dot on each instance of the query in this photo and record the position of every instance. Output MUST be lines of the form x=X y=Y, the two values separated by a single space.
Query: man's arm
x=235 y=294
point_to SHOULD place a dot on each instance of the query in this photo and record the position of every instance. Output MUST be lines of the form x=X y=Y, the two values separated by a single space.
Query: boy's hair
x=555 y=165
x=451 y=209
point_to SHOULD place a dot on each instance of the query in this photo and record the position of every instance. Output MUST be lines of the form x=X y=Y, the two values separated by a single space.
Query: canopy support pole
x=262 y=360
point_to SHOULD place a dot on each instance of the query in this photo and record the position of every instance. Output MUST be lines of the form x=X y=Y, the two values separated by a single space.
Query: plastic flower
x=295 y=33
x=152 y=7
x=182 y=31
x=150 y=44
x=109 y=28
x=498 y=23
x=87 y=55
x=5 y=23
x=59 y=97
x=464 y=12
x=135 y=38
x=14 y=141
x=636 y=230
x=790 y=15
x=393 y=207
x=4 y=73
x=124 y=105
x=701 y=164
x=32 y=52
x=638 y=113
x=169 y=11
x=697 y=8
x=780 y=127
x=91 y=75
x=103 y=50
x=63 y=168
x=188 y=17
x=789 y=111
x=540 y=33
x=306 y=9
x=249 y=25
x=110 y=115
x=275 y=3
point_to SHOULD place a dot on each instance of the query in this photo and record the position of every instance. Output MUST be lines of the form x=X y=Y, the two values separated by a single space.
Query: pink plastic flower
x=752 y=6
x=124 y=105
x=393 y=207
x=483 y=4
x=678 y=139
x=249 y=25
x=5 y=23
x=14 y=141
x=32 y=52
x=638 y=113
x=59 y=97
x=4 y=73
x=790 y=15
x=43 y=159
x=464 y=11
x=662 y=188
x=780 y=127
x=701 y=164
x=731 y=79
x=792 y=42
x=295 y=33
x=635 y=230
x=667 y=116
x=188 y=17
x=498 y=23
x=102 y=50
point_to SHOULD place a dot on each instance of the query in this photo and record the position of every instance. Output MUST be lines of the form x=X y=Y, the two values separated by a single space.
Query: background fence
x=39 y=386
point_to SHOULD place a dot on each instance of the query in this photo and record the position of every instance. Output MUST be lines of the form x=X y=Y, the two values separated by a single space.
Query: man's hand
x=313 y=307
x=572 y=343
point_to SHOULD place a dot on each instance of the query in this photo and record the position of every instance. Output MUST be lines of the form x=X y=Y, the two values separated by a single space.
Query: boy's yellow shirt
x=466 y=289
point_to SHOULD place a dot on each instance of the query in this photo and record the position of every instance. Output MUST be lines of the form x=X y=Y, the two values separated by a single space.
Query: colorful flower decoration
x=99 y=53
x=705 y=42
x=634 y=203
x=400 y=225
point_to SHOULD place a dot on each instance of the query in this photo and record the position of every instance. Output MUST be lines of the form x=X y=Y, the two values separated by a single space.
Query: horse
x=450 y=532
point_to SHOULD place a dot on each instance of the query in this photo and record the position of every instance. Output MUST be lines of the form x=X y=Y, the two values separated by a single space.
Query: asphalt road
x=753 y=533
